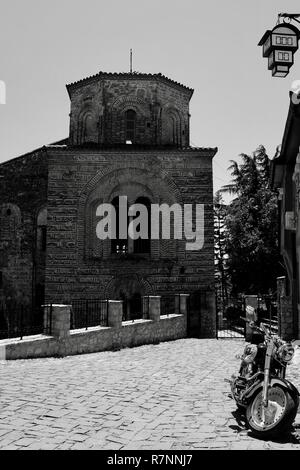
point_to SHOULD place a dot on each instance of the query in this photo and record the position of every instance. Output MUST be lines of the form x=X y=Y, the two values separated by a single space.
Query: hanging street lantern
x=280 y=44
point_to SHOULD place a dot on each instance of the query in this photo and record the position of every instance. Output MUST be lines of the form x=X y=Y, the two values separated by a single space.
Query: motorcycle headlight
x=285 y=352
x=249 y=353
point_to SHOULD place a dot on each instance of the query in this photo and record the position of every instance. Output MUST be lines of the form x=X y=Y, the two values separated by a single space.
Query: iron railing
x=48 y=319
x=133 y=308
x=89 y=313
x=167 y=304
x=17 y=321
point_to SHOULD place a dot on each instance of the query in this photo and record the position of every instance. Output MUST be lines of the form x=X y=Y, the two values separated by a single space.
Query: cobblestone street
x=166 y=396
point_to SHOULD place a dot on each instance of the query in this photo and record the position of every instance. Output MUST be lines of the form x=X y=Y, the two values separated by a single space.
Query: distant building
x=286 y=179
x=129 y=135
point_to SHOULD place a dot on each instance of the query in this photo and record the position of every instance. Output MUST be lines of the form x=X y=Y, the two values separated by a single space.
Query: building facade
x=286 y=179
x=129 y=136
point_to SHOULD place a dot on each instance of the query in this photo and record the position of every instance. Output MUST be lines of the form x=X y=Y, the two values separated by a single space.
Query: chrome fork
x=269 y=353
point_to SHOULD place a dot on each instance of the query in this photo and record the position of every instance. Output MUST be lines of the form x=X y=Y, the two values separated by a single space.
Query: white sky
x=210 y=46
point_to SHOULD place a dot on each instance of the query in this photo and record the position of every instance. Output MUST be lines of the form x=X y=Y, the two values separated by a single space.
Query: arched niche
x=10 y=227
x=134 y=183
x=87 y=127
x=171 y=127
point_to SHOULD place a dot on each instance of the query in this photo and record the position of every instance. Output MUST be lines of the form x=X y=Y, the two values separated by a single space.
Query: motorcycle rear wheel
x=277 y=417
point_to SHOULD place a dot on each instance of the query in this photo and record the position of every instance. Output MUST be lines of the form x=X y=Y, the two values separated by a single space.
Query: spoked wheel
x=276 y=417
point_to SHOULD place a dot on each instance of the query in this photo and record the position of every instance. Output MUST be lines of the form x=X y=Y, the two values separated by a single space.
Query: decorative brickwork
x=98 y=110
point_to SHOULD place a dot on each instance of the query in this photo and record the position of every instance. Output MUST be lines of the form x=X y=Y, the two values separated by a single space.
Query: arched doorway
x=131 y=291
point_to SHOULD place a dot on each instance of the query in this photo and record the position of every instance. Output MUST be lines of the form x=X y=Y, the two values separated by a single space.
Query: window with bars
x=130 y=125
x=118 y=245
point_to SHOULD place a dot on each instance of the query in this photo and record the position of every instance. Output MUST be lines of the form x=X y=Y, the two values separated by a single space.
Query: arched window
x=88 y=128
x=143 y=245
x=170 y=128
x=130 y=124
x=118 y=245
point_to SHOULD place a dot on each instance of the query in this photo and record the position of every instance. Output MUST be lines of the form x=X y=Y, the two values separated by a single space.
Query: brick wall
x=23 y=192
x=98 y=107
x=79 y=177
x=71 y=181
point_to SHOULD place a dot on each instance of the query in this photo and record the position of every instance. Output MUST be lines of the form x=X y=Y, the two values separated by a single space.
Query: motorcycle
x=269 y=401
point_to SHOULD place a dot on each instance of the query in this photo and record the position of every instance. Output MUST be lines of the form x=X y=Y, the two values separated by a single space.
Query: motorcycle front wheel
x=274 y=419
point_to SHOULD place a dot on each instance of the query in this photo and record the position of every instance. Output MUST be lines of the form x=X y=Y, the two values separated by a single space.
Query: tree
x=252 y=228
x=221 y=270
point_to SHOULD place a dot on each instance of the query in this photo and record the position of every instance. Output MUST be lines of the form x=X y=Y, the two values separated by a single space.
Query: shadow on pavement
x=240 y=419
x=290 y=437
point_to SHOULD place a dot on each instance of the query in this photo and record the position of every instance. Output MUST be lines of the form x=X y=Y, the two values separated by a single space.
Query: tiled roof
x=128 y=76
x=122 y=147
x=59 y=143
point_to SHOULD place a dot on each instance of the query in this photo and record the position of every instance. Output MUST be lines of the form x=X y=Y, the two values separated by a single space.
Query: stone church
x=129 y=136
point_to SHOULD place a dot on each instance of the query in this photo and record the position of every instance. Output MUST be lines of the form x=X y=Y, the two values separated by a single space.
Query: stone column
x=115 y=313
x=154 y=307
x=57 y=320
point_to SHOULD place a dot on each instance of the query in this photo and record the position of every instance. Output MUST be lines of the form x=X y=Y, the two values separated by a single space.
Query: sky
x=210 y=46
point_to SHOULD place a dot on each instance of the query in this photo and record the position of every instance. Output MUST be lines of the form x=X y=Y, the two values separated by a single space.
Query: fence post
x=115 y=313
x=59 y=320
x=154 y=307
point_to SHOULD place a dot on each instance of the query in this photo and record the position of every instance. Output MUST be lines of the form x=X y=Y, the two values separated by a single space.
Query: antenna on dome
x=130 y=60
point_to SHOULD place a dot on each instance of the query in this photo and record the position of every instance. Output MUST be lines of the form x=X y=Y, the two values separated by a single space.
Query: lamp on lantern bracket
x=280 y=44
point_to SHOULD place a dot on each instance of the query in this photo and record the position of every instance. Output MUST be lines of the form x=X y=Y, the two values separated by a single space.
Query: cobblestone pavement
x=166 y=396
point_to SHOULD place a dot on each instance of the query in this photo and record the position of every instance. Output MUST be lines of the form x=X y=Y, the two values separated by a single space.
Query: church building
x=129 y=135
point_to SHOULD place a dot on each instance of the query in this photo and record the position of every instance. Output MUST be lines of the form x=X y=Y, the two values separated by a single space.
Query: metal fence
x=231 y=325
x=267 y=311
x=17 y=321
x=48 y=319
x=167 y=304
x=133 y=308
x=229 y=321
x=89 y=313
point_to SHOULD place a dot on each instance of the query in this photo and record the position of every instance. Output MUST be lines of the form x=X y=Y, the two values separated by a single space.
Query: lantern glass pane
x=280 y=71
x=284 y=56
x=284 y=40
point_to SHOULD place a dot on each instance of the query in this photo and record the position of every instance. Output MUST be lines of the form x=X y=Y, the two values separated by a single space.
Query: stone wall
x=121 y=335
